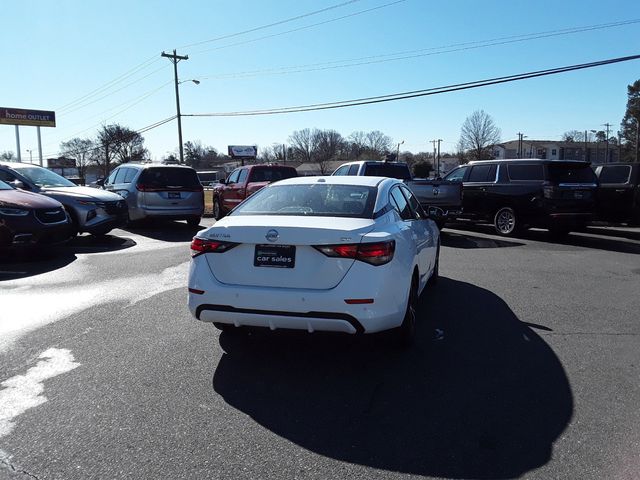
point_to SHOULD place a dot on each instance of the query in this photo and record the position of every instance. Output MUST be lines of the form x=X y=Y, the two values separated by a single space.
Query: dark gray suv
x=159 y=191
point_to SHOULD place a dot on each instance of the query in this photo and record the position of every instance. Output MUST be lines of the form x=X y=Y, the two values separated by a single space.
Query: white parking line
x=23 y=392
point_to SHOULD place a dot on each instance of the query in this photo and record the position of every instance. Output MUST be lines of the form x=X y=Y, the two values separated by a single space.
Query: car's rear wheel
x=505 y=221
x=433 y=280
x=217 y=209
x=405 y=334
x=225 y=327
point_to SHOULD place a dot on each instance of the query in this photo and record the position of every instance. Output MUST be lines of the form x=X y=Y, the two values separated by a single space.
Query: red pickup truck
x=244 y=182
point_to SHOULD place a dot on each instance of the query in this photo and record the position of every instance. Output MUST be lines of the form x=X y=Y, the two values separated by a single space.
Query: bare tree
x=117 y=144
x=302 y=145
x=378 y=144
x=7 y=155
x=329 y=144
x=81 y=149
x=478 y=135
x=573 y=136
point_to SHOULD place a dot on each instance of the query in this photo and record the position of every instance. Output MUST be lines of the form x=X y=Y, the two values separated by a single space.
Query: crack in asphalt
x=4 y=461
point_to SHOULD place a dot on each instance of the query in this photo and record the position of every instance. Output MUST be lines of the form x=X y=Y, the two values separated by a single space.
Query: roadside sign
x=21 y=116
x=243 y=151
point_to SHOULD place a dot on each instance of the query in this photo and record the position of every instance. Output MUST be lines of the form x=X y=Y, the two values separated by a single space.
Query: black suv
x=619 y=193
x=517 y=194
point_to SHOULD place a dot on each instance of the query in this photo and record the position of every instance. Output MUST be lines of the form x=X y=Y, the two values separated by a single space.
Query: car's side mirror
x=18 y=184
x=100 y=182
x=223 y=181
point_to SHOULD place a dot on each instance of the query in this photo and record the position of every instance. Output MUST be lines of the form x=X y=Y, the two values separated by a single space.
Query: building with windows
x=594 y=152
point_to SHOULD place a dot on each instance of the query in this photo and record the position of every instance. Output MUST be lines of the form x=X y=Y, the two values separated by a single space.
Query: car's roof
x=525 y=160
x=18 y=165
x=337 y=180
x=142 y=166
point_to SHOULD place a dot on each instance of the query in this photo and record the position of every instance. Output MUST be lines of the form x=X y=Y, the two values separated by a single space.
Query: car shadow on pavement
x=24 y=263
x=167 y=231
x=97 y=244
x=457 y=240
x=480 y=395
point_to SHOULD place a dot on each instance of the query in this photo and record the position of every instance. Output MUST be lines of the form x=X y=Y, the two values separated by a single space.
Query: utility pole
x=520 y=136
x=606 y=143
x=175 y=58
x=619 y=146
x=434 y=155
x=438 y=170
x=585 y=146
x=284 y=154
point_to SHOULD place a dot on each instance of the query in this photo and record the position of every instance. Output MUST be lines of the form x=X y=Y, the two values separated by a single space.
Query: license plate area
x=174 y=194
x=278 y=256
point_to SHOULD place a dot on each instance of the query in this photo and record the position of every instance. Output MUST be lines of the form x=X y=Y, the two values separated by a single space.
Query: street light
x=197 y=82
x=30 y=155
x=398 y=151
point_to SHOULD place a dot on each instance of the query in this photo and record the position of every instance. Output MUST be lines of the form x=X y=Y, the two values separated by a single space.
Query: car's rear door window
x=615 y=173
x=129 y=175
x=120 y=174
x=525 y=172
x=482 y=173
x=400 y=204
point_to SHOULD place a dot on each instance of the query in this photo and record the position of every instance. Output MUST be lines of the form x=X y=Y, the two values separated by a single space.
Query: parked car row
x=38 y=206
x=515 y=194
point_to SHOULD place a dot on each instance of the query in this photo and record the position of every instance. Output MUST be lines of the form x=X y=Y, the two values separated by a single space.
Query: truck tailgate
x=437 y=193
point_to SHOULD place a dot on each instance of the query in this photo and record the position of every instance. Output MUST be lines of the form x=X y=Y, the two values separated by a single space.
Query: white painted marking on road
x=24 y=311
x=23 y=392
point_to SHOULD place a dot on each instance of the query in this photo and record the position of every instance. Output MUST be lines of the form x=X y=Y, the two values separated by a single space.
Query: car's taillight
x=202 y=245
x=376 y=254
x=141 y=187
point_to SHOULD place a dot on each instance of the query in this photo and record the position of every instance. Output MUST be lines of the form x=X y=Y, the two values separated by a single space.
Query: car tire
x=225 y=327
x=505 y=222
x=217 y=209
x=405 y=334
x=193 y=221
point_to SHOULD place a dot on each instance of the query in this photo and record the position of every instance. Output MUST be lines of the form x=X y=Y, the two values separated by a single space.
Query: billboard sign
x=61 y=162
x=21 y=116
x=243 y=151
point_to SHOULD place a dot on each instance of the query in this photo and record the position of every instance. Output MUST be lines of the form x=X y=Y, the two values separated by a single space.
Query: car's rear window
x=270 y=174
x=615 y=173
x=571 y=173
x=390 y=170
x=525 y=172
x=318 y=200
x=165 y=177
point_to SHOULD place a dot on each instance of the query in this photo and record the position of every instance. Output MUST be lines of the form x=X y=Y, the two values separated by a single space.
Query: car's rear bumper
x=302 y=309
x=166 y=213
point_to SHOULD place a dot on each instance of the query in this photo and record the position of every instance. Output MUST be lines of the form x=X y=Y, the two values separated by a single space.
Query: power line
x=108 y=85
x=79 y=107
x=139 y=131
x=418 y=93
x=244 y=42
x=408 y=54
x=262 y=27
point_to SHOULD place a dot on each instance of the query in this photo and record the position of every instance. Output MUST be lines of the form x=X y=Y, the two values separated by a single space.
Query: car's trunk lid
x=286 y=245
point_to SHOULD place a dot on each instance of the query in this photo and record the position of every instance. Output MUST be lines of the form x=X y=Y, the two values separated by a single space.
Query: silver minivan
x=159 y=191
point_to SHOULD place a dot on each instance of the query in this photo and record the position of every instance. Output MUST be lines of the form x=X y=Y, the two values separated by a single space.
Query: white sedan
x=344 y=254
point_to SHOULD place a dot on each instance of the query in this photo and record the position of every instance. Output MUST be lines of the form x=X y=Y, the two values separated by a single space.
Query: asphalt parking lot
x=527 y=365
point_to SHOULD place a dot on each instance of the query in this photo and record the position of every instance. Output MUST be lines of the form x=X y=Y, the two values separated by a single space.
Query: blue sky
x=99 y=62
